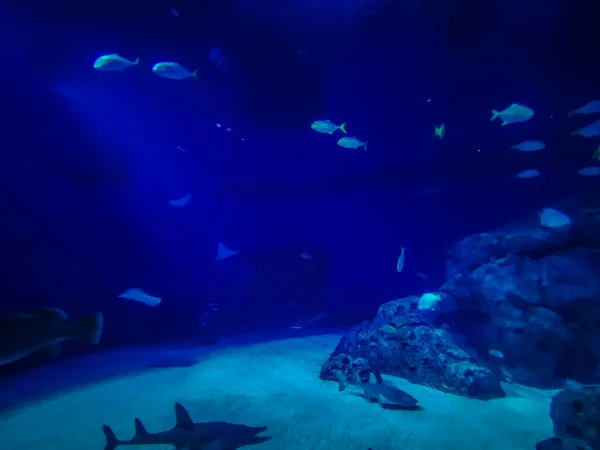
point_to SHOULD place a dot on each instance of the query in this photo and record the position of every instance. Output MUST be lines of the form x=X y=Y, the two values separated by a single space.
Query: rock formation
x=519 y=304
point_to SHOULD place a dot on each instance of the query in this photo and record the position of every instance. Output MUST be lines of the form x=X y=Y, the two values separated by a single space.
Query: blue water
x=92 y=159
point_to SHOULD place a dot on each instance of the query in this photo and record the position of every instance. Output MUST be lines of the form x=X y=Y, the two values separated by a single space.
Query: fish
x=44 y=329
x=305 y=255
x=137 y=295
x=352 y=142
x=496 y=353
x=591 y=130
x=513 y=114
x=387 y=328
x=400 y=263
x=217 y=57
x=589 y=108
x=529 y=146
x=223 y=252
x=439 y=131
x=173 y=71
x=174 y=12
x=180 y=202
x=382 y=392
x=422 y=275
x=591 y=171
x=531 y=173
x=181 y=149
x=596 y=154
x=429 y=301
x=190 y=435
x=113 y=62
x=327 y=126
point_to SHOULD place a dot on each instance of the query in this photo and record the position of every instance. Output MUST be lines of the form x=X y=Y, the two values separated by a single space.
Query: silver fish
x=113 y=62
x=591 y=130
x=513 y=114
x=589 y=108
x=352 y=142
x=173 y=71
x=529 y=146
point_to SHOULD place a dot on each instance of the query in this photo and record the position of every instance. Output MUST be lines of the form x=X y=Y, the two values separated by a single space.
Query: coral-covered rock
x=531 y=290
x=575 y=414
x=401 y=342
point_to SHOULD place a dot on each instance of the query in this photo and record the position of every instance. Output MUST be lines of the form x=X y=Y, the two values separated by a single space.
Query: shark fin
x=140 y=429
x=182 y=418
x=111 y=440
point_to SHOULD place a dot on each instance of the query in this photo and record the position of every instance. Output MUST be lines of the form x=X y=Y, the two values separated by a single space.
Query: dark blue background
x=89 y=159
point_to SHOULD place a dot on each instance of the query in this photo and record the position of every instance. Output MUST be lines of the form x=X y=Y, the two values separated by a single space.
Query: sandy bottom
x=274 y=383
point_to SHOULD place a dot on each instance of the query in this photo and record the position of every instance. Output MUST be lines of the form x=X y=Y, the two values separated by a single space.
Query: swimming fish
x=327 y=126
x=513 y=114
x=596 y=154
x=113 y=62
x=174 y=12
x=387 y=328
x=439 y=131
x=529 y=146
x=382 y=392
x=173 y=71
x=181 y=149
x=352 y=142
x=190 y=435
x=137 y=295
x=422 y=275
x=305 y=255
x=44 y=329
x=591 y=130
x=589 y=108
x=224 y=252
x=496 y=353
x=180 y=202
x=400 y=264
x=589 y=171
x=531 y=173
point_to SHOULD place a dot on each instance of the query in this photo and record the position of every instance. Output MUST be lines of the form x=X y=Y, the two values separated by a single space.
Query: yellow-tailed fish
x=352 y=142
x=439 y=131
x=513 y=114
x=113 y=62
x=327 y=126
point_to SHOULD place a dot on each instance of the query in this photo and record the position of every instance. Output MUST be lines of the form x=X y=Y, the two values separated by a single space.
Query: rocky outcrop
x=575 y=414
x=532 y=292
x=401 y=342
x=521 y=303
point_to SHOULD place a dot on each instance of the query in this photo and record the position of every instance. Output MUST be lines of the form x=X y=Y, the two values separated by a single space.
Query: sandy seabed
x=275 y=383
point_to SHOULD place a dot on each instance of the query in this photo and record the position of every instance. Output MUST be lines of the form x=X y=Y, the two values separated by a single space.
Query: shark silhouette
x=187 y=435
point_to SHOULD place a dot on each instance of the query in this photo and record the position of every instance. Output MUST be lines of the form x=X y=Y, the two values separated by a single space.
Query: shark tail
x=111 y=440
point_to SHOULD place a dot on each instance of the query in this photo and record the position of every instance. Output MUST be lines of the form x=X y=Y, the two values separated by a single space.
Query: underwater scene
x=300 y=225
